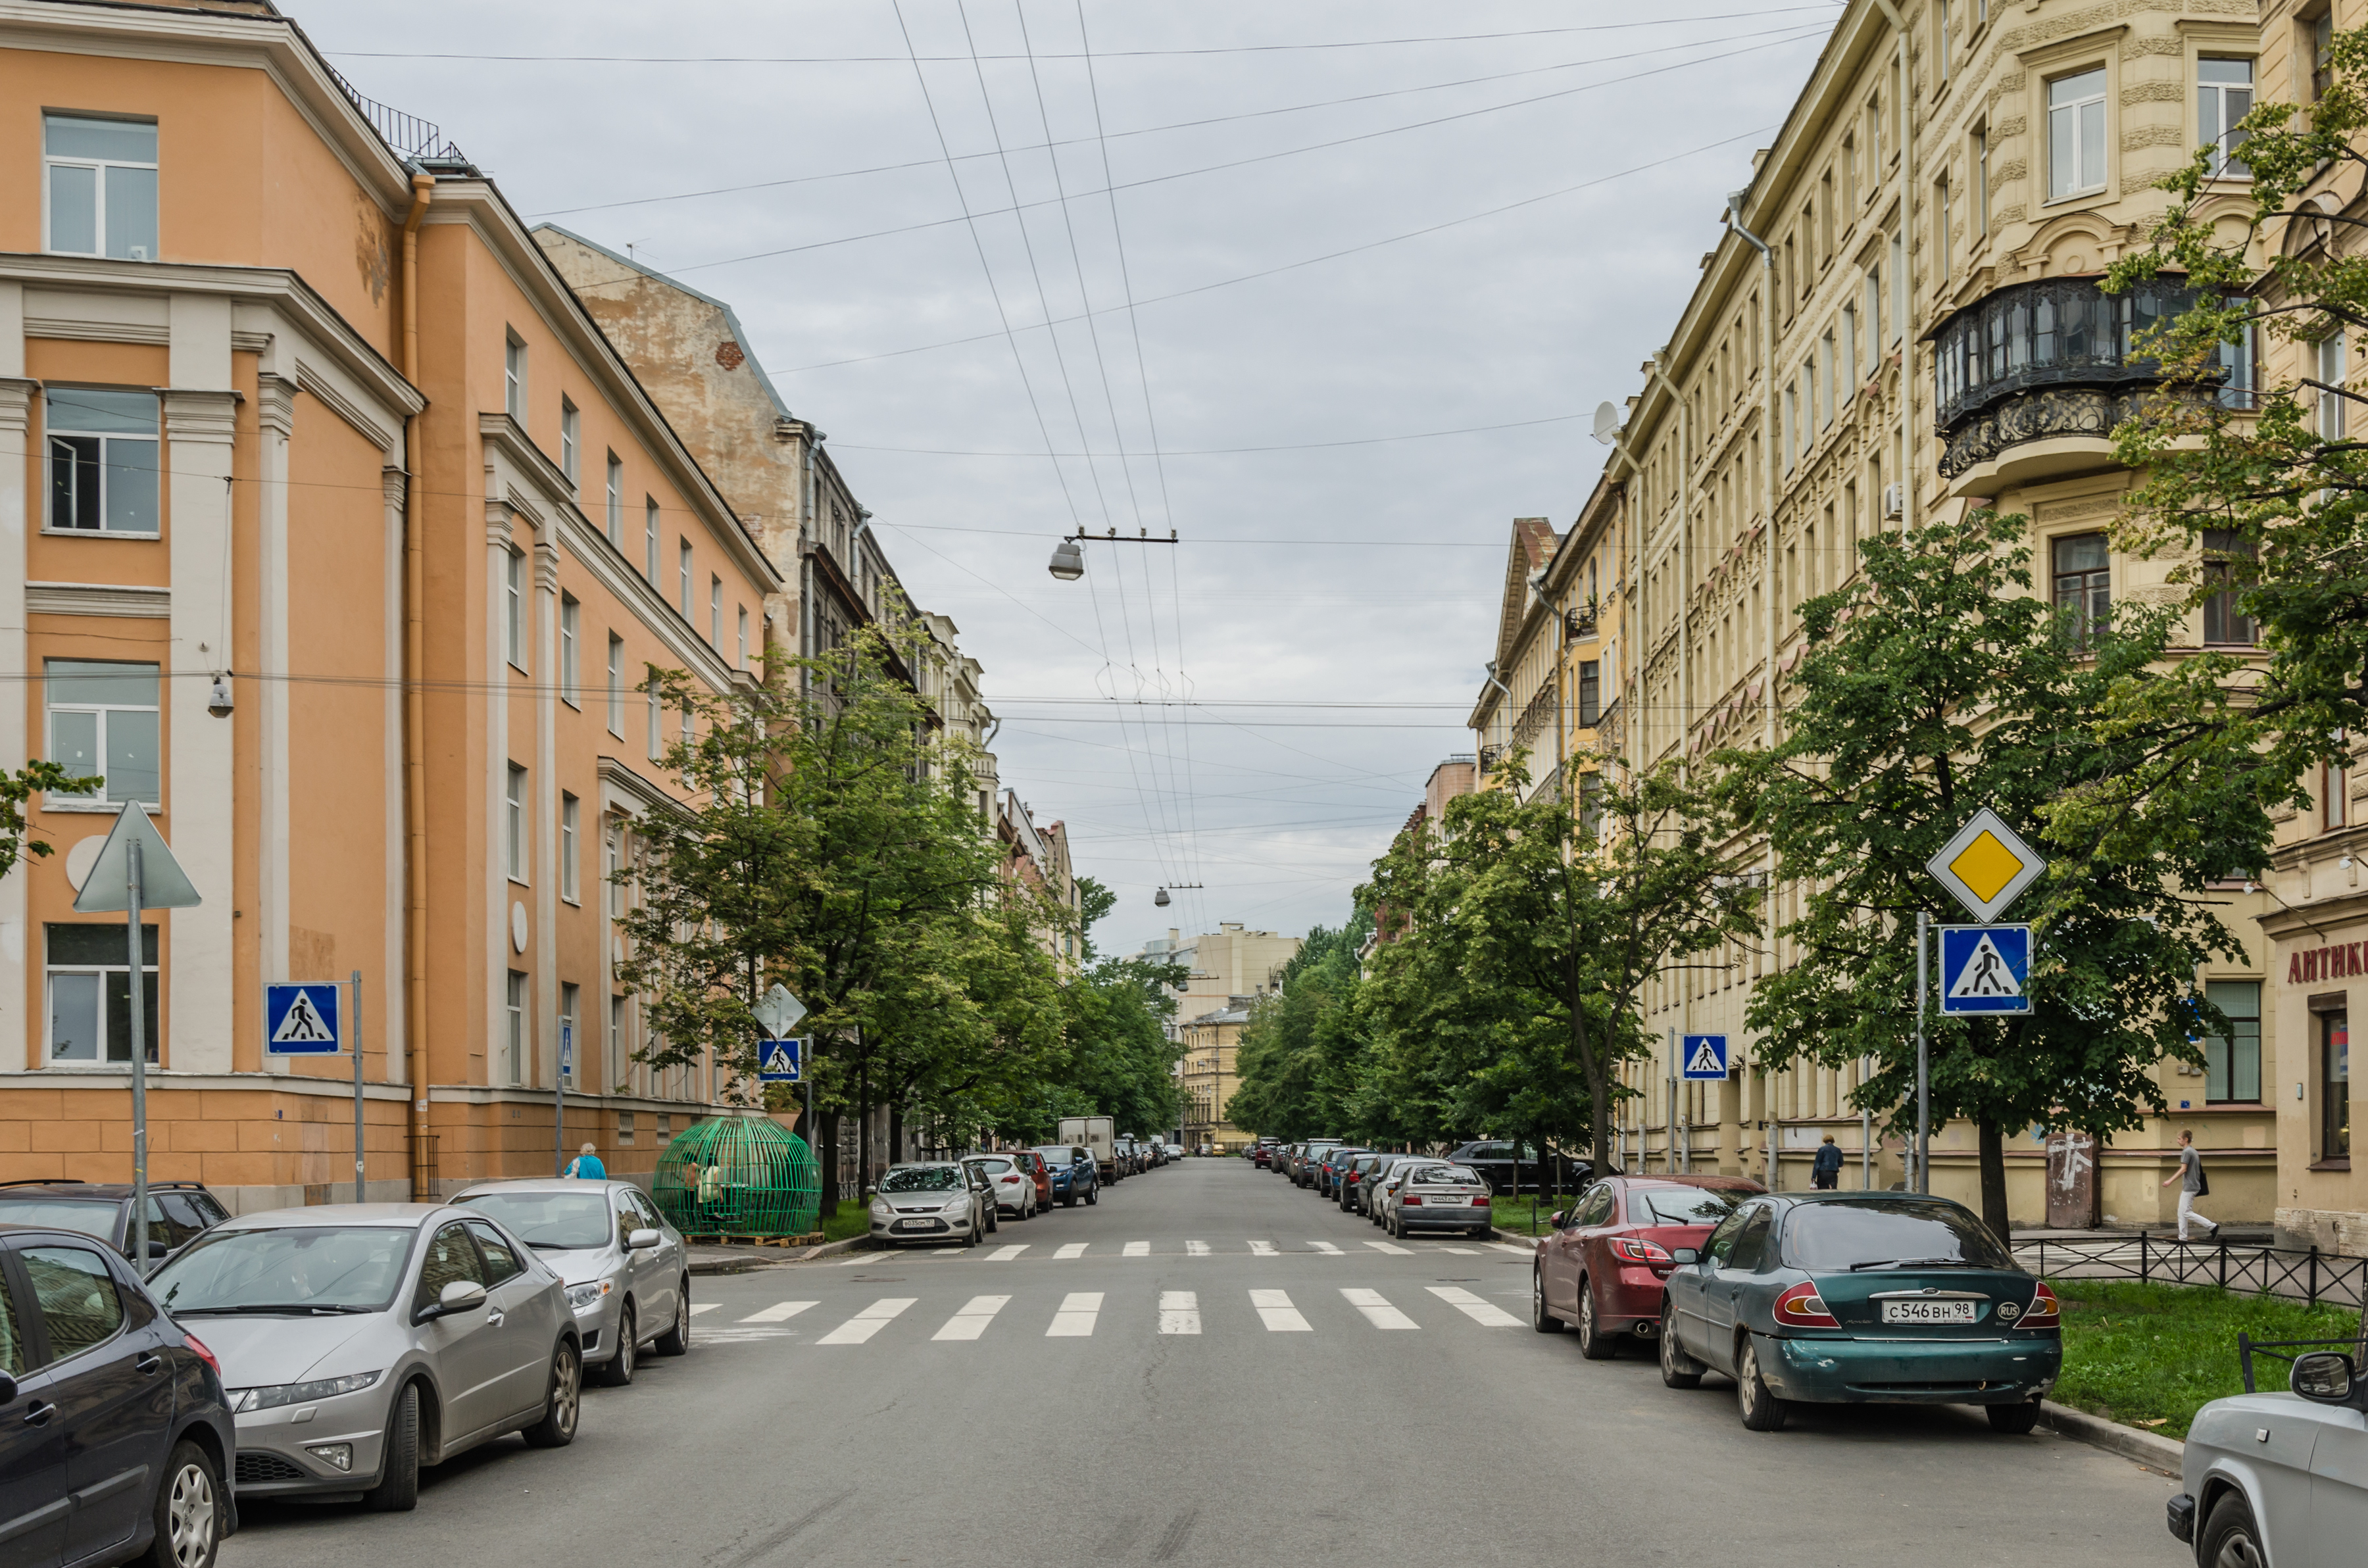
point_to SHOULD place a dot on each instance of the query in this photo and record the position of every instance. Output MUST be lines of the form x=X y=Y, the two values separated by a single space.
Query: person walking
x=587 y=1165
x=1826 y=1173
x=2193 y=1183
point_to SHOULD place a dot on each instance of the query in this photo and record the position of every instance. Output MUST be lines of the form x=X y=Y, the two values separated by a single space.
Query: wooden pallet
x=730 y=1239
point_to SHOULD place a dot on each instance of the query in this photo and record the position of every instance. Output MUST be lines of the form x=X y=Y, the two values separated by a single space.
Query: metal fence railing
x=2303 y=1274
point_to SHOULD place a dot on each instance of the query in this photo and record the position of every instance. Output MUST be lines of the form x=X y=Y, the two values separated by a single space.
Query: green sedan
x=1840 y=1298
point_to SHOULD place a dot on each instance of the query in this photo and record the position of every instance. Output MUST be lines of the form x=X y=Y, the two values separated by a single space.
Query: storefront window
x=2335 y=1086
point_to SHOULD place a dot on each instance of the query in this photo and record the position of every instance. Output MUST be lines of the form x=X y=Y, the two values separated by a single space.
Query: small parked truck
x=1098 y=1135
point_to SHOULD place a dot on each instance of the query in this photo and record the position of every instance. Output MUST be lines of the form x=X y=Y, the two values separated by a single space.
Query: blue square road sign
x=1984 y=970
x=301 y=1018
x=780 y=1060
x=1705 y=1057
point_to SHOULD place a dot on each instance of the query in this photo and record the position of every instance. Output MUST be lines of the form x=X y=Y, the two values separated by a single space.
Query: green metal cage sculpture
x=738 y=1176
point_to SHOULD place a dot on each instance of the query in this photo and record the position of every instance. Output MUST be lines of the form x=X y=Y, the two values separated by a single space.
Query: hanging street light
x=1161 y=898
x=1068 y=562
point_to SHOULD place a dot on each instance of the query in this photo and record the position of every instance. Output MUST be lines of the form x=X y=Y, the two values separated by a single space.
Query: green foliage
x=2152 y=1354
x=1302 y=1059
x=21 y=786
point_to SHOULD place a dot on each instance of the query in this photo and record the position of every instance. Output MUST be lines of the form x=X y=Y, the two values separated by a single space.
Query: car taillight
x=1410 y=1201
x=2045 y=1311
x=1481 y=1201
x=1011 y=1181
x=1802 y=1307
x=197 y=1347
x=1637 y=1250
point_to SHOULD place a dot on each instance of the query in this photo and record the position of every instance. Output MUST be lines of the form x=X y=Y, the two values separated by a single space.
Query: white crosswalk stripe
x=1179 y=1311
x=972 y=1320
x=1462 y=1252
x=1274 y=1310
x=1138 y=1249
x=1263 y=1249
x=1196 y=1249
x=1005 y=1254
x=1329 y=1249
x=1475 y=1309
x=868 y=1321
x=779 y=1312
x=1377 y=1309
x=696 y=1307
x=1076 y=1318
x=1071 y=1249
x=1516 y=1251
x=1390 y=1246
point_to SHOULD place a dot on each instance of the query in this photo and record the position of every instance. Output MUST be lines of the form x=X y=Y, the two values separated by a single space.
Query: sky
x=1332 y=291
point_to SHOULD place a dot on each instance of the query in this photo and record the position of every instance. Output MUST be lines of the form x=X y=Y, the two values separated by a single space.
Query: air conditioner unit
x=1895 y=500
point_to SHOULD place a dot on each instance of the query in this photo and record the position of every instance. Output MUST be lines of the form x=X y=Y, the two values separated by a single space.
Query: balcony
x=2042 y=362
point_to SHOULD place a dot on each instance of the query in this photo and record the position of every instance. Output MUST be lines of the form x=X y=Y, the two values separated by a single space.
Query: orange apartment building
x=290 y=396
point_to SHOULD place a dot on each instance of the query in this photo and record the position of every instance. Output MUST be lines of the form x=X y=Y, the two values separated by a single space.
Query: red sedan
x=1603 y=1265
x=1032 y=1163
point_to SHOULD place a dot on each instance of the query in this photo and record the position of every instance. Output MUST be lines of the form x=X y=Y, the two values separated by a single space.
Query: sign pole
x=1865 y=1133
x=139 y=1060
x=358 y=1196
x=1923 y=1062
x=559 y=1104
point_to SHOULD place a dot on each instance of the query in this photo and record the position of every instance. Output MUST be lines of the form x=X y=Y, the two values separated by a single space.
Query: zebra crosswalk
x=1257 y=1246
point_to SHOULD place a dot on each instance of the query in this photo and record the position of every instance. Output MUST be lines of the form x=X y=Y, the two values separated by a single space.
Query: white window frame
x=657 y=725
x=744 y=636
x=514 y=608
x=102 y=799
x=2330 y=356
x=613 y=848
x=514 y=376
x=1847 y=371
x=571 y=813
x=53 y=427
x=513 y=826
x=100 y=168
x=571 y=624
x=715 y=613
x=151 y=987
x=2215 y=119
x=2061 y=186
x=571 y=438
x=514 y=1047
x=650 y=537
x=616 y=686
x=683 y=575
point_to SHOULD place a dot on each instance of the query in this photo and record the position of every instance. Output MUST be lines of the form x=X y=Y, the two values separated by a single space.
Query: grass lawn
x=1529 y=1212
x=853 y=1219
x=2150 y=1354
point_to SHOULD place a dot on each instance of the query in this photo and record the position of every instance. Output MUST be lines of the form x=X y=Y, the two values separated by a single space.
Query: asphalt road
x=1206 y=1383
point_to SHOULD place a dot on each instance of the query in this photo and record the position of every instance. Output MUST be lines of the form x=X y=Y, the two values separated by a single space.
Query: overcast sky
x=1332 y=600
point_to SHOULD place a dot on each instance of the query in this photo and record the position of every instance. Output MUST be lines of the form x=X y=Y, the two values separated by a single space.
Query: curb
x=753 y=1262
x=2130 y=1442
x=1516 y=1237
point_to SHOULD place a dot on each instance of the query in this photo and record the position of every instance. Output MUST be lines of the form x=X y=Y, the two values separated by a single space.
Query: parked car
x=1602 y=1264
x=1012 y=1190
x=1076 y=1178
x=1262 y=1154
x=1494 y=1159
x=1371 y=1181
x=178 y=1211
x=1175 y=1150
x=2280 y=1478
x=1433 y=1195
x=1833 y=1298
x=114 y=1429
x=1302 y=1164
x=1038 y=1171
x=1351 y=1179
x=626 y=1270
x=361 y=1341
x=1328 y=1168
x=932 y=1201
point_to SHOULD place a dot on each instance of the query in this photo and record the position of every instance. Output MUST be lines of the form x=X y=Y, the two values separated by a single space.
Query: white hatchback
x=2279 y=1479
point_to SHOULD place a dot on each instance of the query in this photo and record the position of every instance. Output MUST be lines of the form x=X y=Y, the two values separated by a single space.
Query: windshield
x=328 y=1267
x=922 y=1179
x=549 y=1218
x=1056 y=1156
x=90 y=1217
x=1874 y=1232
x=1680 y=1205
x=1443 y=1176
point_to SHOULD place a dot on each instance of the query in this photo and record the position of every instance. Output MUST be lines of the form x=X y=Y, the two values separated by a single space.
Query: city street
x=1223 y=1370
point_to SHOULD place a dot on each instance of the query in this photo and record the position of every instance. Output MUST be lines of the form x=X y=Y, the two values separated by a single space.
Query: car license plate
x=915 y=1225
x=1929 y=1311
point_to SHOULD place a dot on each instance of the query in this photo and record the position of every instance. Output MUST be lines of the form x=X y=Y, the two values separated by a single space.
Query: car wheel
x=676 y=1341
x=397 y=1491
x=1068 y=1200
x=1593 y=1343
x=557 y=1427
x=1093 y=1196
x=1761 y=1410
x=1679 y=1370
x=2230 y=1539
x=2014 y=1420
x=1540 y=1319
x=188 y=1511
x=618 y=1369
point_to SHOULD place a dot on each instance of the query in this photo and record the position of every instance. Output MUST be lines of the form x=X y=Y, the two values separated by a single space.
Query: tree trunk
x=863 y=1126
x=825 y=1153
x=1993 y=1141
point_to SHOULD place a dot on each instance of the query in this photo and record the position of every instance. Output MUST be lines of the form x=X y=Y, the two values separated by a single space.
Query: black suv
x=178 y=1211
x=113 y=1429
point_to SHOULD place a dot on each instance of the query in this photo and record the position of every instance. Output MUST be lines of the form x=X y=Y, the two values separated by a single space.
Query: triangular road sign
x=163 y=883
x=1704 y=1059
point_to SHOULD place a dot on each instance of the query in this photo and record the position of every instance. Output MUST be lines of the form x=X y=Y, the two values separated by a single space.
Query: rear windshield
x=992 y=1167
x=1680 y=1206
x=922 y=1179
x=91 y=1218
x=1057 y=1156
x=1444 y=1176
x=564 y=1220
x=1873 y=1232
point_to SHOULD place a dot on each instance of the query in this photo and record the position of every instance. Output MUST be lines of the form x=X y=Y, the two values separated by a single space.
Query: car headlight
x=585 y=1297
x=957 y=1205
x=301 y=1393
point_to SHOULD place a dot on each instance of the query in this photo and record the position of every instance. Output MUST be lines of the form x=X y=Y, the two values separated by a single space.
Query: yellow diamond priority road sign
x=1987 y=866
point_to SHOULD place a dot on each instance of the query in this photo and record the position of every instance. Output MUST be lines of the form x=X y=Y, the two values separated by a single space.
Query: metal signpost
x=1983 y=968
x=780 y=1011
x=135 y=872
x=559 y=1096
x=304 y=1017
x=1705 y=1058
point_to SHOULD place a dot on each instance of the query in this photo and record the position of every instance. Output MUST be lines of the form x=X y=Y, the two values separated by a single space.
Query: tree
x=1120 y=1060
x=1934 y=684
x=21 y=786
x=1302 y=1059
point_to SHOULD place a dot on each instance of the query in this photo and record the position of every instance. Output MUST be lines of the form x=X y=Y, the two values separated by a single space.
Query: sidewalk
x=708 y=1259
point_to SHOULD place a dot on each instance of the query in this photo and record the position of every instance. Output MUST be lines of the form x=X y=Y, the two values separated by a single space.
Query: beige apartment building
x=1230 y=961
x=1210 y=1074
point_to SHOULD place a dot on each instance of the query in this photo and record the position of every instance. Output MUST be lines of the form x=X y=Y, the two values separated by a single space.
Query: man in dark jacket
x=1826 y=1173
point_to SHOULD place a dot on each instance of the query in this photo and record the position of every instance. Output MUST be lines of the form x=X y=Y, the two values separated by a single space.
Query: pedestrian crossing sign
x=299 y=1018
x=1705 y=1056
x=780 y=1061
x=1984 y=969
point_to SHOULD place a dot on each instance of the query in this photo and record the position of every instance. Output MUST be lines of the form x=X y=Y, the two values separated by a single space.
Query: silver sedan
x=627 y=1275
x=361 y=1341
x=942 y=1200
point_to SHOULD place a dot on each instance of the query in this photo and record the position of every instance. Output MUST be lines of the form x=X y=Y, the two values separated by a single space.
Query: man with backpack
x=2194 y=1184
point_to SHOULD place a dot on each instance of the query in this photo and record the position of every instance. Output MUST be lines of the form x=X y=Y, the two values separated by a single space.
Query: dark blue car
x=1074 y=1179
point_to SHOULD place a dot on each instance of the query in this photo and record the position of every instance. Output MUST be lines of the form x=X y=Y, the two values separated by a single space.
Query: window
x=570 y=618
x=612 y=851
x=103 y=725
x=102 y=185
x=2083 y=587
x=715 y=613
x=1848 y=377
x=616 y=686
x=572 y=1057
x=102 y=452
x=1982 y=180
x=658 y=742
x=2239 y=382
x=1590 y=693
x=1791 y=422
x=2225 y=556
x=2231 y=1062
x=1812 y=402
x=1940 y=38
x=450 y=1259
x=616 y=502
x=514 y=608
x=514 y=1041
x=1898 y=285
x=619 y=1069
x=571 y=432
x=1823 y=376
x=79 y=1302
x=1873 y=319
x=2331 y=414
x=2335 y=793
x=514 y=825
x=650 y=539
x=513 y=378
x=682 y=577
x=570 y=817
x=2075 y=134
x=2322 y=52
x=744 y=637
x=1941 y=228
x=90 y=992
x=501 y=1264
x=2335 y=1086
x=2224 y=94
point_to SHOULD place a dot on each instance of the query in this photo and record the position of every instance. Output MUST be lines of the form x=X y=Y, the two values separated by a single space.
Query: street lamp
x=1068 y=562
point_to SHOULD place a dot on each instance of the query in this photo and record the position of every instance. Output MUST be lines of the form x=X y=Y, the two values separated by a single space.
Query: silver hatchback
x=627 y=1275
x=360 y=1341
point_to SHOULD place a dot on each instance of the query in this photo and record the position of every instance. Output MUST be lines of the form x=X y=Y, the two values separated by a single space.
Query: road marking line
x=1274 y=1309
x=1263 y=1249
x=1196 y=1249
x=779 y=1312
x=1071 y=1249
x=1329 y=1249
x=1137 y=1249
x=1461 y=1252
x=868 y=1322
x=1179 y=1311
x=1390 y=1246
x=972 y=1320
x=1517 y=1252
x=1472 y=1307
x=1005 y=1254
x=700 y=1307
x=1378 y=1310
x=1076 y=1318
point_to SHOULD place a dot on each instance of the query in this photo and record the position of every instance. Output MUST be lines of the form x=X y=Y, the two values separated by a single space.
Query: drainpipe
x=1655 y=368
x=1905 y=285
x=415 y=699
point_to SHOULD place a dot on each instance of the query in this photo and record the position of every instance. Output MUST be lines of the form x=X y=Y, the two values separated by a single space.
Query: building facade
x=1219 y=965
x=1209 y=1074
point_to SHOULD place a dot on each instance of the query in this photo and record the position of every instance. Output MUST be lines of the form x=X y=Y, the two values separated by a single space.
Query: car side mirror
x=1561 y=1216
x=157 y=1248
x=2323 y=1377
x=8 y=1388
x=1686 y=1255
x=642 y=1238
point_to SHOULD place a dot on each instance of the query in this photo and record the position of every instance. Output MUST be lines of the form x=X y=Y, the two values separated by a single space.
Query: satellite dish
x=1607 y=423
